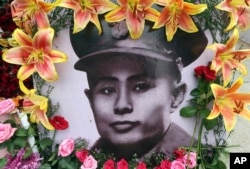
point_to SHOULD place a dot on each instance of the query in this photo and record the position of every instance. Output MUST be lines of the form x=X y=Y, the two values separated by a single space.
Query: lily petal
x=22 y=38
x=15 y=55
x=57 y=56
x=81 y=19
x=135 y=25
x=44 y=120
x=193 y=9
x=25 y=71
x=214 y=113
x=43 y=39
x=116 y=15
x=186 y=23
x=47 y=70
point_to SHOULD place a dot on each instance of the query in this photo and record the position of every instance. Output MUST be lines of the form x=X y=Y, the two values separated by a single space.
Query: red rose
x=110 y=164
x=141 y=165
x=122 y=164
x=199 y=71
x=81 y=155
x=179 y=153
x=205 y=72
x=210 y=75
x=165 y=164
x=59 y=123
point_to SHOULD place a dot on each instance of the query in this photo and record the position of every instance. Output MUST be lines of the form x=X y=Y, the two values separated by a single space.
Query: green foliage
x=3 y=162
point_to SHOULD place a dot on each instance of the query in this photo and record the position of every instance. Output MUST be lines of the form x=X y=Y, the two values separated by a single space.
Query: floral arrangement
x=27 y=33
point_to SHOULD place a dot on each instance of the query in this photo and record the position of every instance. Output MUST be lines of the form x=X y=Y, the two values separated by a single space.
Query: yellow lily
x=86 y=11
x=28 y=13
x=176 y=13
x=228 y=103
x=226 y=58
x=134 y=12
x=239 y=13
x=35 y=54
x=36 y=106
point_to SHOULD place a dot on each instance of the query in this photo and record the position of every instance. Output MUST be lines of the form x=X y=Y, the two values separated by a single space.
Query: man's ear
x=178 y=95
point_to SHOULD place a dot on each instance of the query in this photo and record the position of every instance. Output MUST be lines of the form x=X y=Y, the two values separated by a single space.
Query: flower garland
x=26 y=133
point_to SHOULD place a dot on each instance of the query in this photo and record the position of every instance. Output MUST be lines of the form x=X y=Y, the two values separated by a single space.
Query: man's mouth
x=124 y=126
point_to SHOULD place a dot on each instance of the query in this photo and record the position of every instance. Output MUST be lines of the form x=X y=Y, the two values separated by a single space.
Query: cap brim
x=85 y=62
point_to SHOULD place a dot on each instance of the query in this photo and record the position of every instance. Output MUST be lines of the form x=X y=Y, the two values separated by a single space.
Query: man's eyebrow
x=105 y=79
x=139 y=76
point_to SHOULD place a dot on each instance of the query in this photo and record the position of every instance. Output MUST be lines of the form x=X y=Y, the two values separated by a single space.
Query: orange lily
x=87 y=11
x=239 y=12
x=135 y=12
x=28 y=13
x=176 y=13
x=226 y=58
x=36 y=106
x=228 y=103
x=35 y=54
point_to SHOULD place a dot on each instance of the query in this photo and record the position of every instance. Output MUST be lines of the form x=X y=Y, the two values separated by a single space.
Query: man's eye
x=107 y=90
x=142 y=87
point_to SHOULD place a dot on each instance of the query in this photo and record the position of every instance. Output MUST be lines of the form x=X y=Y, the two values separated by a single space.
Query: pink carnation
x=190 y=160
x=66 y=147
x=89 y=163
x=7 y=106
x=6 y=132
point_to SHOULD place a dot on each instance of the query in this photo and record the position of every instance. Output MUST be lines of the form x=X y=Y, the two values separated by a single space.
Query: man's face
x=129 y=105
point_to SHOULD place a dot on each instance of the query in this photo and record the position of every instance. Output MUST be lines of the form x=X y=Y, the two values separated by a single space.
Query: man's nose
x=123 y=103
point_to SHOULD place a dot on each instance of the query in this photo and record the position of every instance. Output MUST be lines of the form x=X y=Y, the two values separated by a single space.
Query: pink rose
x=6 y=132
x=122 y=164
x=66 y=147
x=7 y=106
x=190 y=160
x=89 y=163
x=81 y=155
x=110 y=164
x=176 y=164
x=141 y=165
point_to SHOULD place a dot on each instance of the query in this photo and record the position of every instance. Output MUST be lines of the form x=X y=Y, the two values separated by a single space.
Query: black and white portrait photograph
x=124 y=95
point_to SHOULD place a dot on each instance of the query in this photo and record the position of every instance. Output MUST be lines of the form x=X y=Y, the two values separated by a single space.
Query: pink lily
x=228 y=103
x=226 y=58
x=35 y=54
x=29 y=13
x=36 y=106
x=134 y=12
x=176 y=13
x=239 y=13
x=86 y=11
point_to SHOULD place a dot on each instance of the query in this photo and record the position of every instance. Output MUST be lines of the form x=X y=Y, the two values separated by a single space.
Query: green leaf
x=21 y=132
x=10 y=147
x=188 y=111
x=4 y=144
x=52 y=157
x=45 y=166
x=204 y=113
x=20 y=141
x=27 y=153
x=3 y=161
x=46 y=142
x=195 y=92
x=221 y=165
x=66 y=163
x=31 y=131
x=55 y=161
x=210 y=124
